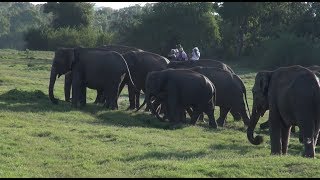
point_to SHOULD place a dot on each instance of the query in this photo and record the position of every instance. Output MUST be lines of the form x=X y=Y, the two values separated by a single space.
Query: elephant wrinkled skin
x=91 y=68
x=183 y=88
x=292 y=96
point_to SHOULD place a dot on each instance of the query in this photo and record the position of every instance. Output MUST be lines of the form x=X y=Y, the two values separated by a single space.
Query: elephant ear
x=264 y=82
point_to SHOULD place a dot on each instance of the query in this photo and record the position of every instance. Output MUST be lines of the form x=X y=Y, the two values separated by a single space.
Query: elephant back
x=119 y=48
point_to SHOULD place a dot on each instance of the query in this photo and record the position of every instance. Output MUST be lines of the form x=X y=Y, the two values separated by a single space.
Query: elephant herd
x=174 y=88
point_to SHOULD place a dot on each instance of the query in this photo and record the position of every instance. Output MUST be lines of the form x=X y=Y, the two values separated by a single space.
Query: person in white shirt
x=195 y=54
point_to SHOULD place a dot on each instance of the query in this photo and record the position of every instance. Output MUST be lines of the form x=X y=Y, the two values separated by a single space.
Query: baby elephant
x=183 y=88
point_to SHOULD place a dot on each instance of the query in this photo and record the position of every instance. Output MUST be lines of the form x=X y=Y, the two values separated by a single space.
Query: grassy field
x=39 y=139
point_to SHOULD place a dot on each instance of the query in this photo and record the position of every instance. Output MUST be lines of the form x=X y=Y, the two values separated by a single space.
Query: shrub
x=50 y=39
x=288 y=49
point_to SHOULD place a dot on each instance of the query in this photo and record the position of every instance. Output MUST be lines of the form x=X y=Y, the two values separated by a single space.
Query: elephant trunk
x=53 y=76
x=253 y=122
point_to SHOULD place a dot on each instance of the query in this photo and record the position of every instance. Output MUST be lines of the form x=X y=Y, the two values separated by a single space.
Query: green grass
x=39 y=139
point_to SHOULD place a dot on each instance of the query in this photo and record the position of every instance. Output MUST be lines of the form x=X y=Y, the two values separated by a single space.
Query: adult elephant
x=91 y=68
x=205 y=63
x=230 y=90
x=140 y=64
x=316 y=70
x=99 y=99
x=200 y=62
x=183 y=88
x=292 y=95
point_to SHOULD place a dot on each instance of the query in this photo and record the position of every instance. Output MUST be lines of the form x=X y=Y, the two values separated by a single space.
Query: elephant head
x=62 y=62
x=260 y=103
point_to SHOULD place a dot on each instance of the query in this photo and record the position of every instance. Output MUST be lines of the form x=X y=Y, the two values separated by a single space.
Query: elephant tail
x=144 y=102
x=244 y=92
x=128 y=70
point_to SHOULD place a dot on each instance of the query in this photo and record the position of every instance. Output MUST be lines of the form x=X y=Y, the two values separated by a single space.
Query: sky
x=113 y=5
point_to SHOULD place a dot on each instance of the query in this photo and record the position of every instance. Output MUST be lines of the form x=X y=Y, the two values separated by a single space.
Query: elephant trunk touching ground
x=253 y=122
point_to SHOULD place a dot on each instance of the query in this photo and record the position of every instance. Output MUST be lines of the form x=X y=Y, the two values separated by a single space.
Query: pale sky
x=113 y=5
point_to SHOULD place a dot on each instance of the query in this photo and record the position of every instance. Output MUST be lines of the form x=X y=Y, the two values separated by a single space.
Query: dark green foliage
x=16 y=19
x=286 y=50
x=50 y=39
x=169 y=23
x=70 y=14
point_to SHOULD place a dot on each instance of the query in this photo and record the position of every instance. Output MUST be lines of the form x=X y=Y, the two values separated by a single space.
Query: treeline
x=267 y=34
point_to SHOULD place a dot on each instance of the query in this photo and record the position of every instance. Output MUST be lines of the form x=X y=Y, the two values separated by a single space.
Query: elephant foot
x=220 y=123
x=130 y=108
x=213 y=124
x=237 y=117
x=264 y=125
x=54 y=101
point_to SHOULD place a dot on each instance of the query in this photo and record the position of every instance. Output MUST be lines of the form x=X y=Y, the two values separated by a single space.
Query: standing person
x=181 y=56
x=195 y=54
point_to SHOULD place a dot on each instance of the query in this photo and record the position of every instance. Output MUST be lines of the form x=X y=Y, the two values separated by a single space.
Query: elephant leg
x=182 y=115
x=275 y=131
x=123 y=83
x=236 y=115
x=131 y=93
x=210 y=113
x=83 y=95
x=76 y=88
x=201 y=117
x=194 y=117
x=67 y=86
x=111 y=92
x=172 y=103
x=223 y=114
x=241 y=108
x=137 y=99
x=285 y=136
x=99 y=96
x=264 y=125
x=307 y=130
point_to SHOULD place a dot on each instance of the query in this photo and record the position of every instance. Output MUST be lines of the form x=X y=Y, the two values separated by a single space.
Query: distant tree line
x=266 y=34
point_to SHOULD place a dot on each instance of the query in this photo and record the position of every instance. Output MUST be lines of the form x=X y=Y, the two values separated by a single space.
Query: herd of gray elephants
x=174 y=88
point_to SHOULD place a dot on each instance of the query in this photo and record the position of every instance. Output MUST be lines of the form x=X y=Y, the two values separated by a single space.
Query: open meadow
x=40 y=139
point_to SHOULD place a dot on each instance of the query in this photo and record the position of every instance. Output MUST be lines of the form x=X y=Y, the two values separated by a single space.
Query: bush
x=288 y=49
x=50 y=39
x=37 y=39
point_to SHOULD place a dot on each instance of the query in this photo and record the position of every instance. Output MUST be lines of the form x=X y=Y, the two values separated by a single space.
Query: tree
x=169 y=23
x=102 y=18
x=239 y=15
x=70 y=14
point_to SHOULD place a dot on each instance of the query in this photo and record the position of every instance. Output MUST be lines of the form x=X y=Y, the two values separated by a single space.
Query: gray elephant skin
x=140 y=64
x=230 y=92
x=292 y=96
x=205 y=63
x=90 y=68
x=183 y=89
x=316 y=70
x=112 y=47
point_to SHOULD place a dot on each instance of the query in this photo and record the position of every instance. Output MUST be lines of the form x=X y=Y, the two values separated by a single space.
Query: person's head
x=195 y=49
x=179 y=47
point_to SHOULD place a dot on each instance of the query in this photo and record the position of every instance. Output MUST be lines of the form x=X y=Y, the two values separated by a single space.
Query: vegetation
x=39 y=139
